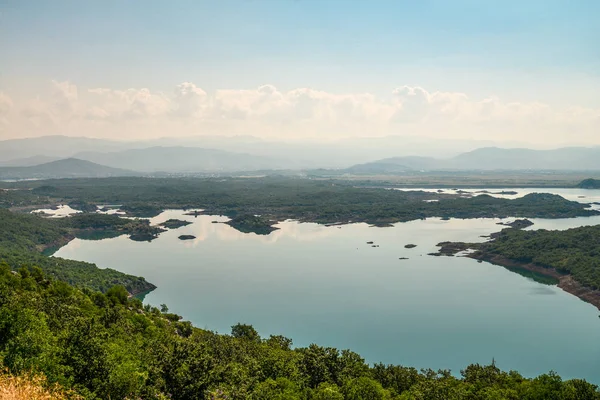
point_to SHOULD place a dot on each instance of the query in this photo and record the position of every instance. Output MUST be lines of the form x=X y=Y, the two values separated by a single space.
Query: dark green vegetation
x=277 y=199
x=462 y=179
x=518 y=224
x=24 y=237
x=83 y=206
x=109 y=225
x=573 y=251
x=251 y=223
x=570 y=257
x=141 y=209
x=174 y=223
x=589 y=184
x=108 y=346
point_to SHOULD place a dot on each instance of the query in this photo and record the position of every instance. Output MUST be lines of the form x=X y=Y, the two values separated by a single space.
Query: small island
x=517 y=224
x=410 y=246
x=174 y=223
x=252 y=223
x=187 y=237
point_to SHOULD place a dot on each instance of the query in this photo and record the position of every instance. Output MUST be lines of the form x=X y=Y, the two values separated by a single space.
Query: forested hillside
x=574 y=251
x=23 y=238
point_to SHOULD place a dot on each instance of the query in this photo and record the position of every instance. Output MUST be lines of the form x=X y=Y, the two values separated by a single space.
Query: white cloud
x=189 y=100
x=97 y=113
x=65 y=96
x=119 y=105
x=38 y=113
x=298 y=113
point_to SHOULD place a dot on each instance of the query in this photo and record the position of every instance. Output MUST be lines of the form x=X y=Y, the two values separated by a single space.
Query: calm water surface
x=325 y=285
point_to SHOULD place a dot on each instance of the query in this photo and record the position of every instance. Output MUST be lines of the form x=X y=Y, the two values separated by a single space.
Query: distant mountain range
x=28 y=161
x=490 y=158
x=66 y=168
x=246 y=153
x=183 y=159
x=303 y=154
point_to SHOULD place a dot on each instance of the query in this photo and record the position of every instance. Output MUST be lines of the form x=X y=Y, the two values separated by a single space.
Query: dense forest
x=110 y=346
x=322 y=201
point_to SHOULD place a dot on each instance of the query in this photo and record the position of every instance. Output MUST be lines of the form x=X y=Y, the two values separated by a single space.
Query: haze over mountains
x=183 y=159
x=61 y=156
x=306 y=154
x=65 y=168
x=491 y=158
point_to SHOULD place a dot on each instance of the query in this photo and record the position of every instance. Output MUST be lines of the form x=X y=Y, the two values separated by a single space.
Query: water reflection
x=326 y=285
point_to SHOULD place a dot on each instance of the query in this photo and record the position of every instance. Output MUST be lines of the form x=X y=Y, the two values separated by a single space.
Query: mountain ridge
x=491 y=158
x=63 y=168
x=179 y=159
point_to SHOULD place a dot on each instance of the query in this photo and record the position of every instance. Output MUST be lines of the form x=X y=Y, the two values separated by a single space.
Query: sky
x=508 y=70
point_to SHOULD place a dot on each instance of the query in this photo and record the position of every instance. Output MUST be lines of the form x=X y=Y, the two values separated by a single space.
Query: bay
x=326 y=285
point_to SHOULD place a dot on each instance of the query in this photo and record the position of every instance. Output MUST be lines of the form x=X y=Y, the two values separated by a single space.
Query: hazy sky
x=525 y=70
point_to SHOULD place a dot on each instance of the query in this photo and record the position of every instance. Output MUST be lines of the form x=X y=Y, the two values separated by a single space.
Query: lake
x=326 y=285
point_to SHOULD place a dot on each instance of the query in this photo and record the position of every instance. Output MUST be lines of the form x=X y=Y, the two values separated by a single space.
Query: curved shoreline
x=565 y=281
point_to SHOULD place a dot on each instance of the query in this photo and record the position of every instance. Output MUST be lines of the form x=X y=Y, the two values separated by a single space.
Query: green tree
x=327 y=391
x=364 y=389
x=279 y=389
x=117 y=294
x=245 y=331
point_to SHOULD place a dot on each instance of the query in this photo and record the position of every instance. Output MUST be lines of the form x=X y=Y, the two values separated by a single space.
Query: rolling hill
x=65 y=168
x=298 y=154
x=183 y=159
x=28 y=161
x=55 y=146
x=491 y=158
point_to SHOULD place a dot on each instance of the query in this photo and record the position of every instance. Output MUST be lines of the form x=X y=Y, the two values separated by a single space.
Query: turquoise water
x=326 y=285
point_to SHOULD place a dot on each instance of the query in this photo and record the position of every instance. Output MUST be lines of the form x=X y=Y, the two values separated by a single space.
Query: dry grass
x=30 y=387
